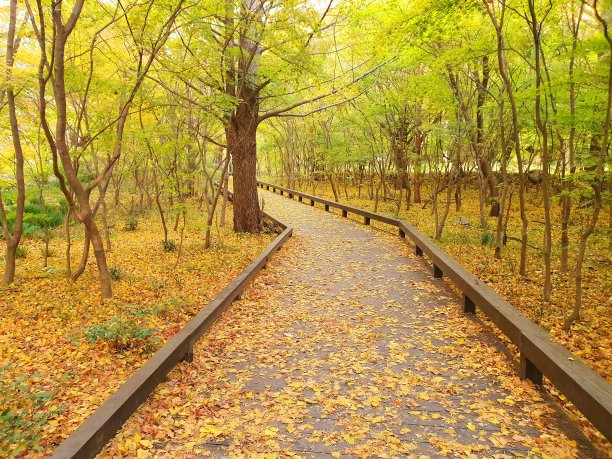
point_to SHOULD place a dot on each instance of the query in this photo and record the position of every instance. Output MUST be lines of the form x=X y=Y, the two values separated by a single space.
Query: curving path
x=346 y=347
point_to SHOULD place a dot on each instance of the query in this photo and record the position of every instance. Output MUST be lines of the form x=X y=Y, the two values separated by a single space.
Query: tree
x=52 y=68
x=12 y=236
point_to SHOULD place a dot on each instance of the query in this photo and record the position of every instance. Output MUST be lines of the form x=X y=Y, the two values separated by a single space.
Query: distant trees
x=509 y=95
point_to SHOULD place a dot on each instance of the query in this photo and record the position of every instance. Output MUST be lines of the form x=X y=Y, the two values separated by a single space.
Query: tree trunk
x=241 y=135
x=9 y=269
x=84 y=257
x=12 y=241
x=100 y=254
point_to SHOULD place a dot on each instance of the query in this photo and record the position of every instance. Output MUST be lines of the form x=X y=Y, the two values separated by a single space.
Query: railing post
x=312 y=202
x=189 y=355
x=401 y=233
x=437 y=272
x=418 y=251
x=468 y=305
x=366 y=220
x=326 y=207
x=300 y=198
x=282 y=192
x=290 y=196
x=268 y=187
x=344 y=213
x=529 y=371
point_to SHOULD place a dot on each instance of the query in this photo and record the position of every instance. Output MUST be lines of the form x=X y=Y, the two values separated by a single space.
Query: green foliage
x=120 y=334
x=131 y=224
x=116 y=273
x=169 y=245
x=487 y=238
x=21 y=252
x=155 y=311
x=38 y=219
x=22 y=414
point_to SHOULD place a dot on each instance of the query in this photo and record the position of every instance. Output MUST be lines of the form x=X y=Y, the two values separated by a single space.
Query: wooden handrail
x=91 y=436
x=539 y=355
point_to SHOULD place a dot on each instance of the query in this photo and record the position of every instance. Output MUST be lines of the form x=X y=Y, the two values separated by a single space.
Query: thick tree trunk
x=242 y=144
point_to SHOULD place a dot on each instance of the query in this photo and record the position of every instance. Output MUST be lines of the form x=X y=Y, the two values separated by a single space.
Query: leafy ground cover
x=63 y=352
x=589 y=338
x=346 y=347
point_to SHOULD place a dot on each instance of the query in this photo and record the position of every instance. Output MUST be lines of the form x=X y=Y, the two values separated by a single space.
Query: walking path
x=346 y=347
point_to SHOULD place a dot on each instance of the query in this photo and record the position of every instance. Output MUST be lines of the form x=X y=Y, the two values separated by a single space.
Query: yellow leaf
x=348 y=438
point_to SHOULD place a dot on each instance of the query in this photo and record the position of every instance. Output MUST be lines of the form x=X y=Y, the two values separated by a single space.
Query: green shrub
x=22 y=415
x=487 y=238
x=52 y=269
x=120 y=334
x=131 y=224
x=169 y=245
x=141 y=311
x=115 y=273
x=21 y=252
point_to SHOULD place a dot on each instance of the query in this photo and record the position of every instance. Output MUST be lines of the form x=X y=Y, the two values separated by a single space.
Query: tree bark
x=241 y=135
x=12 y=240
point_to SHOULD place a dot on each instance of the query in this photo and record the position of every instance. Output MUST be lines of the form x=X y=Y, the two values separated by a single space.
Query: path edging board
x=102 y=425
x=539 y=354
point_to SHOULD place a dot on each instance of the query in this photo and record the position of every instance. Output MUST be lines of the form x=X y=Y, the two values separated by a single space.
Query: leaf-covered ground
x=346 y=347
x=589 y=338
x=51 y=369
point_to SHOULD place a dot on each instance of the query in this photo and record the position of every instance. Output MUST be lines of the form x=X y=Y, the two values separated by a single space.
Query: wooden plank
x=91 y=436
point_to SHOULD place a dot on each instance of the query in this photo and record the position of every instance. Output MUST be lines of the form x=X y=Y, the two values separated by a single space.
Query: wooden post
x=189 y=355
x=529 y=371
x=312 y=202
x=300 y=198
x=418 y=251
x=366 y=220
x=344 y=213
x=268 y=187
x=281 y=192
x=326 y=207
x=401 y=233
x=468 y=305
x=437 y=272
x=290 y=196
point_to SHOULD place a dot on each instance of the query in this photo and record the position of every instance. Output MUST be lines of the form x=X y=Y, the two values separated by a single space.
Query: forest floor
x=345 y=346
x=590 y=337
x=63 y=351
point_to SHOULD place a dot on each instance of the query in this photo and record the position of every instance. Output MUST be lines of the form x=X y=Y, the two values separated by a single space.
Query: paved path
x=346 y=347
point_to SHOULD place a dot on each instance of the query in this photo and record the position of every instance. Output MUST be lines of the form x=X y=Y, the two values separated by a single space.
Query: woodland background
x=486 y=124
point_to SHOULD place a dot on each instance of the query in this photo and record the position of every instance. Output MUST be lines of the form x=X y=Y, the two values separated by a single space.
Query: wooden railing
x=539 y=355
x=89 y=439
